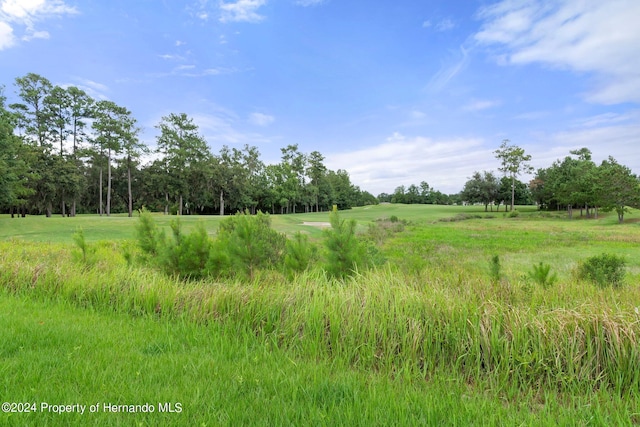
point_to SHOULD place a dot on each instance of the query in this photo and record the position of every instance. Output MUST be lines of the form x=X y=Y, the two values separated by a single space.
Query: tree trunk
x=513 y=191
x=101 y=210
x=109 y=184
x=48 y=210
x=221 y=203
x=166 y=203
x=180 y=206
x=129 y=188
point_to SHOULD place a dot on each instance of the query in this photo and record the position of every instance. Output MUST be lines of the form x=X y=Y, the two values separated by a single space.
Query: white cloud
x=445 y=25
x=260 y=119
x=426 y=24
x=36 y=35
x=241 y=11
x=444 y=163
x=480 y=105
x=171 y=57
x=220 y=128
x=440 y=80
x=93 y=89
x=306 y=3
x=6 y=36
x=24 y=14
x=585 y=36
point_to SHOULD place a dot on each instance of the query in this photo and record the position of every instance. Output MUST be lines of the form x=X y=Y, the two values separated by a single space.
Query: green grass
x=119 y=226
x=58 y=354
x=427 y=339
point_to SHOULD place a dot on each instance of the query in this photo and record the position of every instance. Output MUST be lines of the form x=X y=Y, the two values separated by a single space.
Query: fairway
x=426 y=337
x=119 y=227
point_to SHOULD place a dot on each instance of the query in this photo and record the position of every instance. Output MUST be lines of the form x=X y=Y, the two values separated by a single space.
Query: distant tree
x=398 y=195
x=481 y=188
x=13 y=161
x=514 y=162
x=316 y=171
x=113 y=126
x=33 y=89
x=132 y=149
x=617 y=188
x=182 y=148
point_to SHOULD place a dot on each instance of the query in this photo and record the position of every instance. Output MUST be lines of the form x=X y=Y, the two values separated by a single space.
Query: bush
x=186 y=255
x=344 y=253
x=251 y=242
x=603 y=270
x=85 y=250
x=147 y=233
x=514 y=213
x=299 y=253
x=540 y=275
x=495 y=269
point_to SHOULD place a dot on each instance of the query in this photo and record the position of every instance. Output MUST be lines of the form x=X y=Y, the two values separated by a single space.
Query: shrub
x=540 y=275
x=81 y=243
x=603 y=270
x=299 y=253
x=393 y=218
x=344 y=253
x=495 y=268
x=251 y=242
x=514 y=213
x=147 y=233
x=186 y=255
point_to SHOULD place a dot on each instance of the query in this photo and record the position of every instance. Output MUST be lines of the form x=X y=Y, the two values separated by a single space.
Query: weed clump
x=603 y=270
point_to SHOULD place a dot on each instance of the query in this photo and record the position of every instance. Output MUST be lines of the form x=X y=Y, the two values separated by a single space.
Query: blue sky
x=394 y=92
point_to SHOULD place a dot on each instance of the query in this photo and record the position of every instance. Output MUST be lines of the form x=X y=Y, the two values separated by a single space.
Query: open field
x=426 y=339
x=119 y=226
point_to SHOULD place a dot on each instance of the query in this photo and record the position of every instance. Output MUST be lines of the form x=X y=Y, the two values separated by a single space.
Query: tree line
x=63 y=152
x=575 y=182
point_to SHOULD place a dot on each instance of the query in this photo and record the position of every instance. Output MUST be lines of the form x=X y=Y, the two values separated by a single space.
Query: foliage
x=603 y=270
x=85 y=249
x=147 y=233
x=186 y=255
x=617 y=188
x=251 y=242
x=540 y=275
x=299 y=254
x=495 y=269
x=514 y=162
x=344 y=255
x=481 y=188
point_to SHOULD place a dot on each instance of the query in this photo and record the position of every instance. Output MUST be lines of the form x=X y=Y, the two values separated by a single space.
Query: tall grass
x=563 y=338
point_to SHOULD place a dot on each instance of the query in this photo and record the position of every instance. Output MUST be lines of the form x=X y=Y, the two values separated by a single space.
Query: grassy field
x=119 y=227
x=427 y=339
